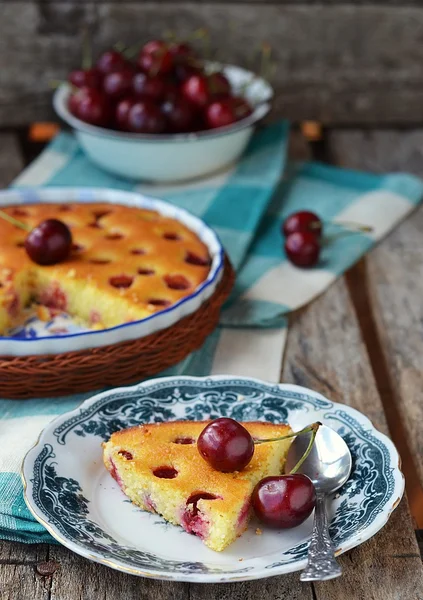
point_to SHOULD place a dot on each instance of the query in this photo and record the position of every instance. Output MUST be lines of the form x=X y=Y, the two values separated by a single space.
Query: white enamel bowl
x=173 y=157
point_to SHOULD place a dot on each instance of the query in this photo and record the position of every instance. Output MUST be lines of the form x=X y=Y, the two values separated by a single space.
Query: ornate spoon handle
x=322 y=564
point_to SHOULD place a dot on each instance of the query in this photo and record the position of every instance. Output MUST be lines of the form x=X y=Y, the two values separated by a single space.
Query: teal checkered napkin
x=246 y=206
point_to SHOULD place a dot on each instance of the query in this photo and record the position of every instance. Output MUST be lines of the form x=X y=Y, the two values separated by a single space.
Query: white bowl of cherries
x=168 y=116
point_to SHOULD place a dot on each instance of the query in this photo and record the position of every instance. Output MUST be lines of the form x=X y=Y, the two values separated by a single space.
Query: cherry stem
x=13 y=221
x=308 y=429
x=132 y=51
x=265 y=63
x=203 y=34
x=120 y=46
x=170 y=36
x=315 y=429
x=55 y=83
x=87 y=55
x=352 y=226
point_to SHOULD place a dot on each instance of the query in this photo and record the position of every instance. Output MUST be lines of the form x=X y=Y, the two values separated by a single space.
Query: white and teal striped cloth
x=246 y=206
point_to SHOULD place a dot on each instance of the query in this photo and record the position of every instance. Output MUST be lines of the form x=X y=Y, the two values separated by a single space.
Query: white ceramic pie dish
x=171 y=157
x=83 y=340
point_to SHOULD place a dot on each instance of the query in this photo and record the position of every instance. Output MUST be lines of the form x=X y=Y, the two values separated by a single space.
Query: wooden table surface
x=360 y=343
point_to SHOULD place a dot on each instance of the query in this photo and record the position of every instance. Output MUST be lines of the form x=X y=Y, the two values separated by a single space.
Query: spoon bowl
x=329 y=463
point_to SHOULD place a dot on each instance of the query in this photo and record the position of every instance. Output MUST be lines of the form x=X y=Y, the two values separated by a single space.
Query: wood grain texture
x=379 y=151
x=326 y=352
x=335 y=63
x=11 y=161
x=285 y=587
x=19 y=579
x=393 y=277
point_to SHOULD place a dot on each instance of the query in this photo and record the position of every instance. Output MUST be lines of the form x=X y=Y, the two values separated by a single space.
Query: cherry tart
x=125 y=264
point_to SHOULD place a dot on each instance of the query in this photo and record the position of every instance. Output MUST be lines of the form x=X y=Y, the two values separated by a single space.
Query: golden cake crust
x=159 y=467
x=110 y=242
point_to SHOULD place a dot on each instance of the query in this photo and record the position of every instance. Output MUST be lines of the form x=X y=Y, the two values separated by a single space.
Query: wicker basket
x=114 y=365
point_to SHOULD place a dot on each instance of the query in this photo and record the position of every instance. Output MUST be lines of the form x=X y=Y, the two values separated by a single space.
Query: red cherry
x=155 y=58
x=226 y=445
x=196 y=90
x=284 y=501
x=93 y=107
x=219 y=85
x=150 y=87
x=74 y=100
x=181 y=50
x=184 y=70
x=303 y=248
x=85 y=78
x=146 y=117
x=49 y=243
x=118 y=84
x=122 y=112
x=220 y=114
x=303 y=220
x=111 y=62
x=241 y=107
x=180 y=115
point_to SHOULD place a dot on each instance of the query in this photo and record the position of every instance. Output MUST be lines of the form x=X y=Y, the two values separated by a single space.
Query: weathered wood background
x=336 y=62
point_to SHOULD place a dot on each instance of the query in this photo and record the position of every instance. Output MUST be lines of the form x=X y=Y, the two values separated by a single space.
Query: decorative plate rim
x=11 y=346
x=378 y=523
x=260 y=110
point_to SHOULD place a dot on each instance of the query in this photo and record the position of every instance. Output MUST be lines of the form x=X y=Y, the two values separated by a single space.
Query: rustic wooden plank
x=392 y=274
x=335 y=63
x=326 y=352
x=80 y=579
x=379 y=151
x=11 y=161
x=19 y=578
x=285 y=587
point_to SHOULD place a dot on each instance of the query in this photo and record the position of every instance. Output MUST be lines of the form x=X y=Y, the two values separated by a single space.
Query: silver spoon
x=328 y=466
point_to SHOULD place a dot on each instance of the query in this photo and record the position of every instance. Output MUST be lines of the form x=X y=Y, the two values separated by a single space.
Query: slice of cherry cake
x=160 y=469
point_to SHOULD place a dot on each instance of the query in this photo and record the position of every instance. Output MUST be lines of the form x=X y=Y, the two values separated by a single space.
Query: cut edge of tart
x=127 y=263
x=159 y=468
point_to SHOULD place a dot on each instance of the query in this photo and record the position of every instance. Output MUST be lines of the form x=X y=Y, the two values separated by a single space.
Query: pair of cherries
x=303 y=231
x=282 y=501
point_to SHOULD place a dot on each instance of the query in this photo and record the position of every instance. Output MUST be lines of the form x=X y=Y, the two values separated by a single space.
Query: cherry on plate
x=226 y=445
x=180 y=115
x=118 y=84
x=284 y=501
x=303 y=248
x=110 y=62
x=49 y=243
x=303 y=220
x=220 y=114
x=150 y=87
x=90 y=78
x=146 y=117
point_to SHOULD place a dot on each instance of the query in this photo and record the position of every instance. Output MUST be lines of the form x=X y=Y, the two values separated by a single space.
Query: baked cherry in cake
x=126 y=263
x=160 y=469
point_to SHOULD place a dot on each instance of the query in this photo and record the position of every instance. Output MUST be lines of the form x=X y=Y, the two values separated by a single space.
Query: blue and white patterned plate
x=70 y=492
